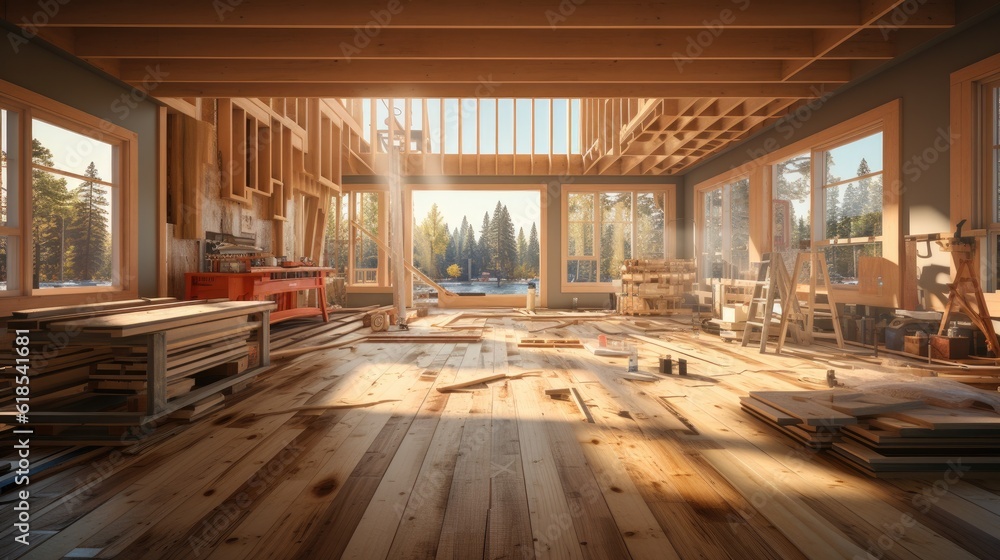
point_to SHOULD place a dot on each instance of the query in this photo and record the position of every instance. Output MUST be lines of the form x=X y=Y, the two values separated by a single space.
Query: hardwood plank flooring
x=670 y=468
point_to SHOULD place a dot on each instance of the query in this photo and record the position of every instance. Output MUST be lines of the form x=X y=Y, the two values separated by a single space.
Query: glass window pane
x=847 y=265
x=854 y=159
x=365 y=249
x=560 y=134
x=581 y=239
x=650 y=208
x=711 y=246
x=470 y=127
x=541 y=126
x=488 y=126
x=9 y=158
x=581 y=271
x=434 y=125
x=616 y=246
x=790 y=211
x=451 y=112
x=523 y=117
x=70 y=151
x=616 y=207
x=8 y=262
x=72 y=231
x=505 y=110
x=854 y=209
x=739 y=230
x=575 y=127
x=581 y=207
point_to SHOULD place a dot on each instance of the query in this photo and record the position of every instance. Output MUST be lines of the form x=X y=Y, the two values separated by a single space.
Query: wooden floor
x=669 y=469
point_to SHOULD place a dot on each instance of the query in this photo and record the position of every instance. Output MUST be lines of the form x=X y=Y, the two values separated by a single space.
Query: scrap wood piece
x=637 y=376
x=487 y=379
x=559 y=325
x=605 y=351
x=338 y=406
x=571 y=393
x=550 y=343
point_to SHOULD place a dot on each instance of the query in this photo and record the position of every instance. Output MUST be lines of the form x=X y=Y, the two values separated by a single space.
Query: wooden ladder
x=966 y=295
x=819 y=287
x=772 y=286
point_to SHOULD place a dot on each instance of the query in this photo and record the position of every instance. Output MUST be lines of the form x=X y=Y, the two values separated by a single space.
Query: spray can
x=633 y=359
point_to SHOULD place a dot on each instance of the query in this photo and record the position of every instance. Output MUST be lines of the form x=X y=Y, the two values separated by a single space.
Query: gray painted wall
x=56 y=76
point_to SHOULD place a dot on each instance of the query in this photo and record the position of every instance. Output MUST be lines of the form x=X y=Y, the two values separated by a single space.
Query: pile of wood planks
x=883 y=436
x=100 y=372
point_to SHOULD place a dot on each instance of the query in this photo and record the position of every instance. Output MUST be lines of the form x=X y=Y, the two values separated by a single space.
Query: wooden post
x=396 y=232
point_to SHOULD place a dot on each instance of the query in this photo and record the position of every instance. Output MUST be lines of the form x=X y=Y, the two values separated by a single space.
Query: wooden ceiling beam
x=491 y=74
x=592 y=44
x=663 y=14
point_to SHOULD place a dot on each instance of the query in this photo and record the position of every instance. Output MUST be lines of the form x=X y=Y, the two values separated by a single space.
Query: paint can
x=682 y=366
x=666 y=365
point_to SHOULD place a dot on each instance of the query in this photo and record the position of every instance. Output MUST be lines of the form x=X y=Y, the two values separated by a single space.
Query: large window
x=829 y=192
x=725 y=230
x=65 y=188
x=604 y=226
x=852 y=205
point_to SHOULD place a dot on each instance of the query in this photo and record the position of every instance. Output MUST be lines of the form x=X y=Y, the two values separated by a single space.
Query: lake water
x=488 y=288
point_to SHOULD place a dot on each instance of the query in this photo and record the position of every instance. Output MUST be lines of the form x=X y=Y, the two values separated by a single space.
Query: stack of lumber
x=91 y=368
x=60 y=364
x=655 y=287
x=883 y=436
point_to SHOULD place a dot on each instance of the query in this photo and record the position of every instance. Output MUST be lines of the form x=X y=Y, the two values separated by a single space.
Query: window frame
x=703 y=189
x=29 y=106
x=669 y=229
x=886 y=118
x=971 y=198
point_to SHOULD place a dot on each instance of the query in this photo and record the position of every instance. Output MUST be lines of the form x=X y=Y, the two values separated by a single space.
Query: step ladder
x=965 y=295
x=772 y=286
x=819 y=302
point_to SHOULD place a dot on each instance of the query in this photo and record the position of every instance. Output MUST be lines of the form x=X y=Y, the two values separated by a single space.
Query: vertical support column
x=156 y=373
x=396 y=233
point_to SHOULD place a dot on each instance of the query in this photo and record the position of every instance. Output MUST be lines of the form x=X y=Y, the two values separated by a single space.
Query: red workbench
x=263 y=283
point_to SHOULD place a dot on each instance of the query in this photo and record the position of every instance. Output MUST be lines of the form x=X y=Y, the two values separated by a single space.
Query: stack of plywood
x=883 y=436
x=655 y=287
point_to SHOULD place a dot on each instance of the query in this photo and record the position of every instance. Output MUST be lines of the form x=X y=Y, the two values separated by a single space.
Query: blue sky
x=524 y=207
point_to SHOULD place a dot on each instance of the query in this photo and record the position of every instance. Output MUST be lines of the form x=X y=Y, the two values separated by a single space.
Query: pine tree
x=87 y=231
x=451 y=253
x=469 y=250
x=532 y=261
x=506 y=244
x=50 y=202
x=484 y=250
x=522 y=248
